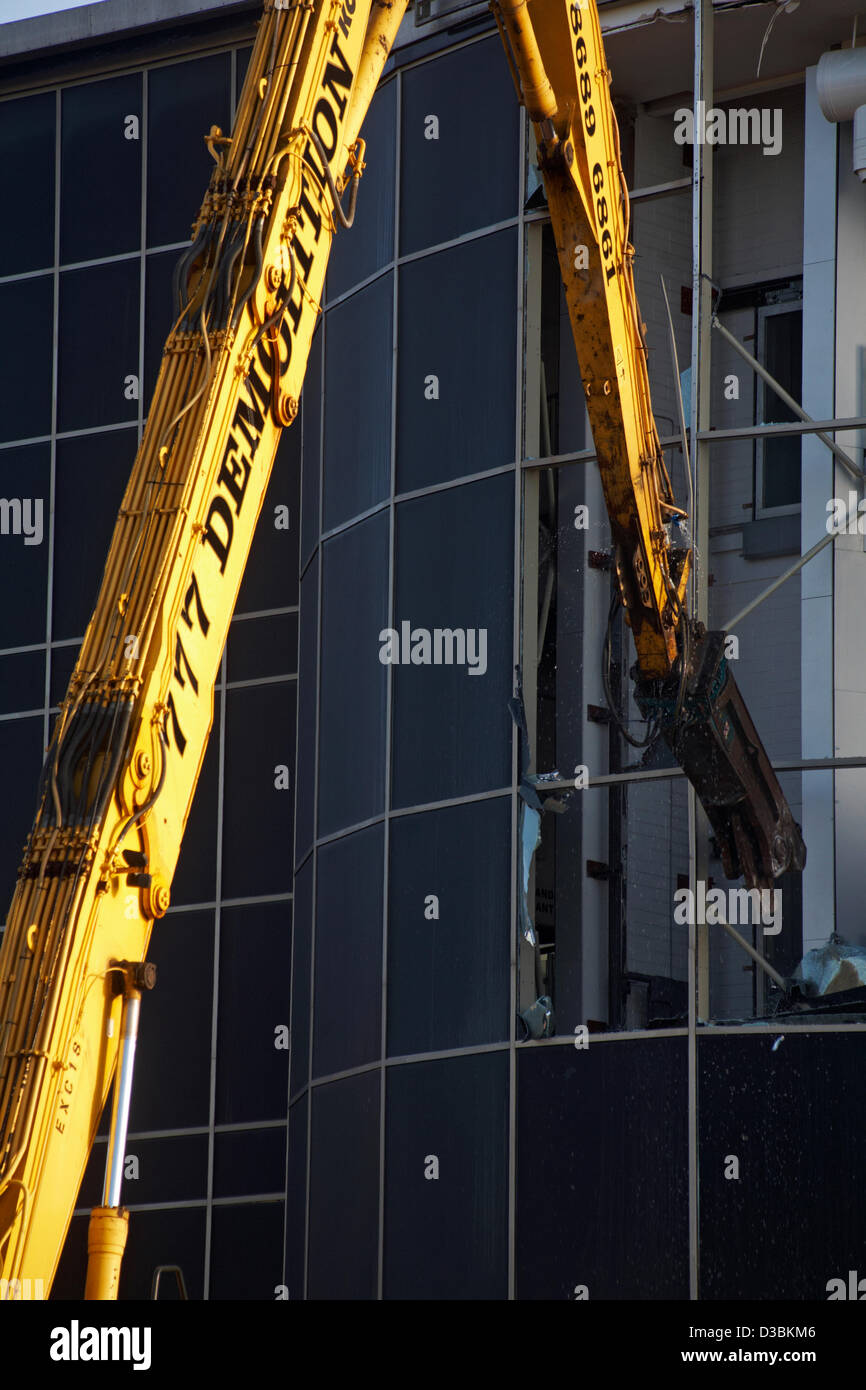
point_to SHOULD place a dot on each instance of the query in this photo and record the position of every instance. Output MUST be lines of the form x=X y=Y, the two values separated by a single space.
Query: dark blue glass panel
x=100 y=169
x=308 y=680
x=445 y=191
x=170 y=1169
x=452 y=728
x=456 y=367
x=251 y=1161
x=27 y=152
x=344 y=1197
x=25 y=475
x=22 y=752
x=448 y=973
x=25 y=381
x=301 y=957
x=296 y=1198
x=271 y=576
x=255 y=955
x=258 y=806
x=357 y=454
x=176 y=1027
x=347 y=1020
x=263 y=647
x=184 y=101
x=370 y=243
x=94 y=385
x=311 y=412
x=22 y=682
x=195 y=878
x=353 y=680
x=91 y=476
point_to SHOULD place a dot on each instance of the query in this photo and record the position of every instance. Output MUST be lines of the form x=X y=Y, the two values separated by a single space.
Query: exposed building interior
x=455 y=999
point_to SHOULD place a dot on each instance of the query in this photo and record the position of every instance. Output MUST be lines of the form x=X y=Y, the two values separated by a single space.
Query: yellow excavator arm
x=128 y=746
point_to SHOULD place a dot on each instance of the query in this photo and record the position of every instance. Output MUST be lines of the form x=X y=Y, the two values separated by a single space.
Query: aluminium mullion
x=517 y=603
x=55 y=358
x=389 y=686
x=318 y=550
x=142 y=251
x=208 y=1237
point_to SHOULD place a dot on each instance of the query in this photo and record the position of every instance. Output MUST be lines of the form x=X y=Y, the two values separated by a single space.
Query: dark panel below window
x=296 y=1199
x=795 y=1216
x=344 y=1197
x=446 y=1235
x=247 y=1252
x=602 y=1171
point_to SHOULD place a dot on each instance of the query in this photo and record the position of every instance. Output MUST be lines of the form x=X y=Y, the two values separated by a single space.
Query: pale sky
x=24 y=9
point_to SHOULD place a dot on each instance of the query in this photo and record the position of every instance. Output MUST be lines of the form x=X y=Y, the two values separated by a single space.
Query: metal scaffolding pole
x=702 y=266
x=836 y=449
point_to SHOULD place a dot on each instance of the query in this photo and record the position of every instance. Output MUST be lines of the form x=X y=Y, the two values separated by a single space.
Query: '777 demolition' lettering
x=249 y=417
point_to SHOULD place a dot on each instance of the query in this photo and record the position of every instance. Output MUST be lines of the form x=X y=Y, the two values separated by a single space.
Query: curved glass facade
x=409 y=484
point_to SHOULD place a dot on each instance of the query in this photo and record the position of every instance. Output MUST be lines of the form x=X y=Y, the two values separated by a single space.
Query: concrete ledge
x=771 y=535
x=104 y=21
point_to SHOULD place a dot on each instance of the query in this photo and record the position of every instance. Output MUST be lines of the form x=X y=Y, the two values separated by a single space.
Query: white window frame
x=764 y=395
